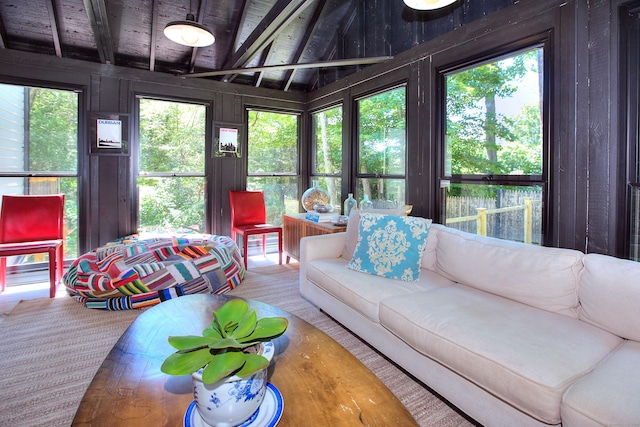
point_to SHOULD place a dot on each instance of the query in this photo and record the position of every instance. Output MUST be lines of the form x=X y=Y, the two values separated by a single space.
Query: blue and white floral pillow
x=390 y=246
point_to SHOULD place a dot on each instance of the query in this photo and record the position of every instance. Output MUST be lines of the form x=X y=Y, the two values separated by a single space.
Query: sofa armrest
x=318 y=247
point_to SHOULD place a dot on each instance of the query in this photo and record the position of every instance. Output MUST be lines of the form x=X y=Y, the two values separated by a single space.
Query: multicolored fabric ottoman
x=140 y=271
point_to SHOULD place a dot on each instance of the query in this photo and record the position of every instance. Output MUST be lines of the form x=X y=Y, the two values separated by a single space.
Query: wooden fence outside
x=512 y=215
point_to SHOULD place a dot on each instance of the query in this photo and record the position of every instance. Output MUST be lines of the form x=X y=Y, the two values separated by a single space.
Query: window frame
x=135 y=156
x=355 y=158
x=314 y=174
x=544 y=180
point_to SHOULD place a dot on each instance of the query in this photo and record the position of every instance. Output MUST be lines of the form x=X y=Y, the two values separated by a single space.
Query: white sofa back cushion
x=542 y=277
x=610 y=295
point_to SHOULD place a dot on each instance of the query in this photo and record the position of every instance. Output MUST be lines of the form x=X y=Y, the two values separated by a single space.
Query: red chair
x=32 y=225
x=249 y=217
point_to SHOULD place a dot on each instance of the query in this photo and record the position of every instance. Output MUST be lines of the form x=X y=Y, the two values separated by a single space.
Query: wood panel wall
x=587 y=190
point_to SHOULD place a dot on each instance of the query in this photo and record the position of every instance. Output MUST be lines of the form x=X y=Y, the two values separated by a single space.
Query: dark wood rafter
x=274 y=22
x=299 y=66
x=263 y=60
x=154 y=35
x=3 y=35
x=304 y=44
x=200 y=19
x=97 y=13
x=55 y=33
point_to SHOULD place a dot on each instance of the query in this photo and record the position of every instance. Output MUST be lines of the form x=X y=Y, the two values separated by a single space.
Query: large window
x=382 y=145
x=327 y=152
x=493 y=147
x=272 y=157
x=171 y=177
x=39 y=152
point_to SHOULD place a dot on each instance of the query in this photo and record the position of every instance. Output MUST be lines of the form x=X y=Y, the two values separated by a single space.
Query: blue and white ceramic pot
x=232 y=401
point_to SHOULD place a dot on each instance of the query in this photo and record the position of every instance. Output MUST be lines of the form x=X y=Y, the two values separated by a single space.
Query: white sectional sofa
x=512 y=334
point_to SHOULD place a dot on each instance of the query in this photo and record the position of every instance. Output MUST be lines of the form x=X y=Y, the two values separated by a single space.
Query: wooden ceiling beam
x=320 y=64
x=97 y=13
x=55 y=33
x=154 y=34
x=276 y=20
x=304 y=43
x=200 y=19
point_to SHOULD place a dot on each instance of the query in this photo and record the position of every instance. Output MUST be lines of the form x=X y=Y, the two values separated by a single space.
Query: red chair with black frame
x=249 y=217
x=32 y=225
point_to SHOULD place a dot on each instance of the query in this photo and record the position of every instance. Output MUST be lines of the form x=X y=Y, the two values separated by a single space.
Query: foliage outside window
x=494 y=148
x=327 y=151
x=39 y=152
x=171 y=182
x=272 y=158
x=382 y=148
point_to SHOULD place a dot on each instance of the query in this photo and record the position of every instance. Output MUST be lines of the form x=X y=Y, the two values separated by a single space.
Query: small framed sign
x=227 y=140
x=109 y=133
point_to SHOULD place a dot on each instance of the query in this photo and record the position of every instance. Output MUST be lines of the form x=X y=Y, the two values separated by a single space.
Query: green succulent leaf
x=253 y=363
x=222 y=366
x=190 y=342
x=186 y=363
x=227 y=343
x=211 y=331
x=247 y=325
x=227 y=317
x=270 y=327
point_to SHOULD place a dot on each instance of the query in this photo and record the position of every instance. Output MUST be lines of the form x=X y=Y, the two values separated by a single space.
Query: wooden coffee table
x=321 y=383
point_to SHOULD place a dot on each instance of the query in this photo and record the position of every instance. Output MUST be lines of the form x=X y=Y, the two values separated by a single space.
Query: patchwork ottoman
x=135 y=272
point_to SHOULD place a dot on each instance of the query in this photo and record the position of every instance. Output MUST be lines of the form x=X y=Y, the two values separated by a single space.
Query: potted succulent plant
x=227 y=362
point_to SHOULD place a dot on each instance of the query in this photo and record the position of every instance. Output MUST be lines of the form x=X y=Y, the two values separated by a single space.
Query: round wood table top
x=321 y=382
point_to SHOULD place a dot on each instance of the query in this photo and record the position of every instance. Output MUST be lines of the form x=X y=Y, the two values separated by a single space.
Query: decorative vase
x=366 y=203
x=234 y=400
x=349 y=204
x=315 y=195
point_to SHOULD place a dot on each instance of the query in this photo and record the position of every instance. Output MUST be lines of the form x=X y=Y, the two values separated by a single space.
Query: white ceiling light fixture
x=428 y=4
x=189 y=32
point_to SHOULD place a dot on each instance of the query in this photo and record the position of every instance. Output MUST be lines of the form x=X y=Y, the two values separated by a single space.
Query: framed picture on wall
x=108 y=133
x=227 y=139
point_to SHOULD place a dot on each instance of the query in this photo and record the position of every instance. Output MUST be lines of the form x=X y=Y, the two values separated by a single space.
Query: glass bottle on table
x=349 y=204
x=366 y=203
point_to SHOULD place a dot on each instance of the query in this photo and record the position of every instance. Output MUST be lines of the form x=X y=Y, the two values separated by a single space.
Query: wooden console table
x=295 y=227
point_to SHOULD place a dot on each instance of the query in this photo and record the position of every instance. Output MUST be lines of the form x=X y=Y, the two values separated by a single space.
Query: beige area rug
x=51 y=349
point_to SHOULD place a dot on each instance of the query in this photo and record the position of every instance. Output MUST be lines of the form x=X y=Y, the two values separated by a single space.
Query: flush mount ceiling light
x=189 y=32
x=428 y=4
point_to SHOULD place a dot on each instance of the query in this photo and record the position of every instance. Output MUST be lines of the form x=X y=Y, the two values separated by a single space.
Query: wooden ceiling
x=298 y=45
x=129 y=33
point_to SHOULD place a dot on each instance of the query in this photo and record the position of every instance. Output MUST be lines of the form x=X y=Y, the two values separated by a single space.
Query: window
x=272 y=156
x=327 y=152
x=39 y=152
x=382 y=144
x=171 y=178
x=493 y=147
x=631 y=64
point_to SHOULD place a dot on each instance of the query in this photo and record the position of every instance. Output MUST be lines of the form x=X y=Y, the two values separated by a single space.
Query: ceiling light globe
x=428 y=4
x=189 y=33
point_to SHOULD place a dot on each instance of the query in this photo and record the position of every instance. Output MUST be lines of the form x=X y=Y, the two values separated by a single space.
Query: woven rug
x=52 y=348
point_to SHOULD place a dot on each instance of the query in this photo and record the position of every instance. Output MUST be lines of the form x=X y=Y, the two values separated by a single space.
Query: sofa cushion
x=542 y=277
x=608 y=396
x=610 y=295
x=363 y=292
x=390 y=246
x=354 y=222
x=524 y=356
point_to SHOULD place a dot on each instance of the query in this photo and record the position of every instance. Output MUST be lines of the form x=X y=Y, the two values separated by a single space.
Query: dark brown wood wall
x=587 y=190
x=108 y=200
